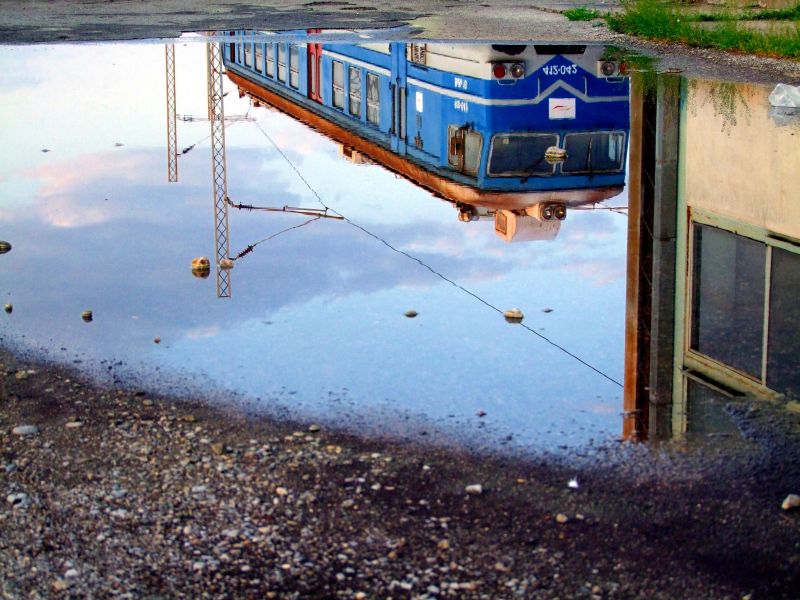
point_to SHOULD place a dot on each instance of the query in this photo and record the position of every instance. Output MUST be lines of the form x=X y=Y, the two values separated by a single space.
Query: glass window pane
x=281 y=62
x=728 y=298
x=594 y=152
x=270 y=60
x=472 y=152
x=248 y=55
x=259 y=58
x=373 y=99
x=521 y=154
x=338 y=84
x=355 y=91
x=294 y=67
x=783 y=350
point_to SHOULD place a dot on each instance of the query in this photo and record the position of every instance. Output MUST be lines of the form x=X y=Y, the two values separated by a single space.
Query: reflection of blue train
x=524 y=129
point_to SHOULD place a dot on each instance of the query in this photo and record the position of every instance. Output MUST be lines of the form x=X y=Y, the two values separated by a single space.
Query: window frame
x=693 y=360
x=519 y=173
x=247 y=58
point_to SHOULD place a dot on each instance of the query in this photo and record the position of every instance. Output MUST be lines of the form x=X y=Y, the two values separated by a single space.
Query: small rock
x=514 y=315
x=8 y=308
x=73 y=424
x=18 y=500
x=119 y=513
x=475 y=489
x=25 y=430
x=443 y=545
x=411 y=313
x=21 y=375
x=231 y=533
x=157 y=340
x=147 y=402
x=71 y=573
x=218 y=448
x=59 y=585
x=87 y=315
x=281 y=491
x=349 y=503
x=481 y=413
x=547 y=310
x=792 y=501
x=572 y=484
x=561 y=518
x=313 y=428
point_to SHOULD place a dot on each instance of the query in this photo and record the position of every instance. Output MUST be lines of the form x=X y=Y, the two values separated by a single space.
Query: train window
x=248 y=55
x=260 y=58
x=271 y=60
x=464 y=149
x=338 y=84
x=355 y=91
x=232 y=52
x=594 y=152
x=281 y=62
x=520 y=154
x=373 y=99
x=294 y=67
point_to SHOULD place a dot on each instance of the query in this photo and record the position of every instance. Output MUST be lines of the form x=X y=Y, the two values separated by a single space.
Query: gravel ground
x=115 y=492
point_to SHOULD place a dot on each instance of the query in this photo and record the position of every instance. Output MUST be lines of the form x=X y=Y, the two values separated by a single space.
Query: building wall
x=739 y=163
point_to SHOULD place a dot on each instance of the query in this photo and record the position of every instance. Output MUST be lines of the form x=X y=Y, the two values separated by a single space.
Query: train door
x=314 y=63
x=399 y=94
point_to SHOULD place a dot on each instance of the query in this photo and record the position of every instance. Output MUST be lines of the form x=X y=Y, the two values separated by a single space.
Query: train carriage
x=521 y=128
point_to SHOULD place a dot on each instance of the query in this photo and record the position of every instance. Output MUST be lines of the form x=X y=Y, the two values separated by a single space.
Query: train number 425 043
x=560 y=69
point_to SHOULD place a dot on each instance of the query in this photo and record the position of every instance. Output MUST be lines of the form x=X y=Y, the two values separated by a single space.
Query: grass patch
x=778 y=14
x=652 y=19
x=581 y=13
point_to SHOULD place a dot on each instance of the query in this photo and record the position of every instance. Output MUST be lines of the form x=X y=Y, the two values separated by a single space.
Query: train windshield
x=520 y=154
x=594 y=152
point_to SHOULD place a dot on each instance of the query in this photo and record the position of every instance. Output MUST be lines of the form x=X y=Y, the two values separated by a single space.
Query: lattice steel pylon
x=172 y=129
x=219 y=177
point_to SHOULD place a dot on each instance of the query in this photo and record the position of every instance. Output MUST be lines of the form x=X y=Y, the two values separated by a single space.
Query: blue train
x=513 y=132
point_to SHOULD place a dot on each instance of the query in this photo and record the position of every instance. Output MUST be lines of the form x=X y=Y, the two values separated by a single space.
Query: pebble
x=71 y=573
x=790 y=502
x=475 y=489
x=21 y=375
x=25 y=430
x=443 y=545
x=8 y=308
x=73 y=424
x=218 y=448
x=87 y=315
x=313 y=428
x=411 y=313
x=281 y=491
x=19 y=499
x=561 y=518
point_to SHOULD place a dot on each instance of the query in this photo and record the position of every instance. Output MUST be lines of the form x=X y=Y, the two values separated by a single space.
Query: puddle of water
x=451 y=210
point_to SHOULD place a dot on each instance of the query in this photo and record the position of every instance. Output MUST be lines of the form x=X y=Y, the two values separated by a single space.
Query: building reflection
x=714 y=254
x=513 y=134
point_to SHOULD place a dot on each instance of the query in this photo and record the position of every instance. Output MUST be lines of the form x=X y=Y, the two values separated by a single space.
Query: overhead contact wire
x=425 y=265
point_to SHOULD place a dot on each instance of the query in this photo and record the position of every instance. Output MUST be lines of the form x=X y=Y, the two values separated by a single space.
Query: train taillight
x=508 y=71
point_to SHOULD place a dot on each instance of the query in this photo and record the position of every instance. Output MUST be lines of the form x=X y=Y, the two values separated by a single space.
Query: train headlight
x=547 y=213
x=517 y=70
x=499 y=71
x=560 y=212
